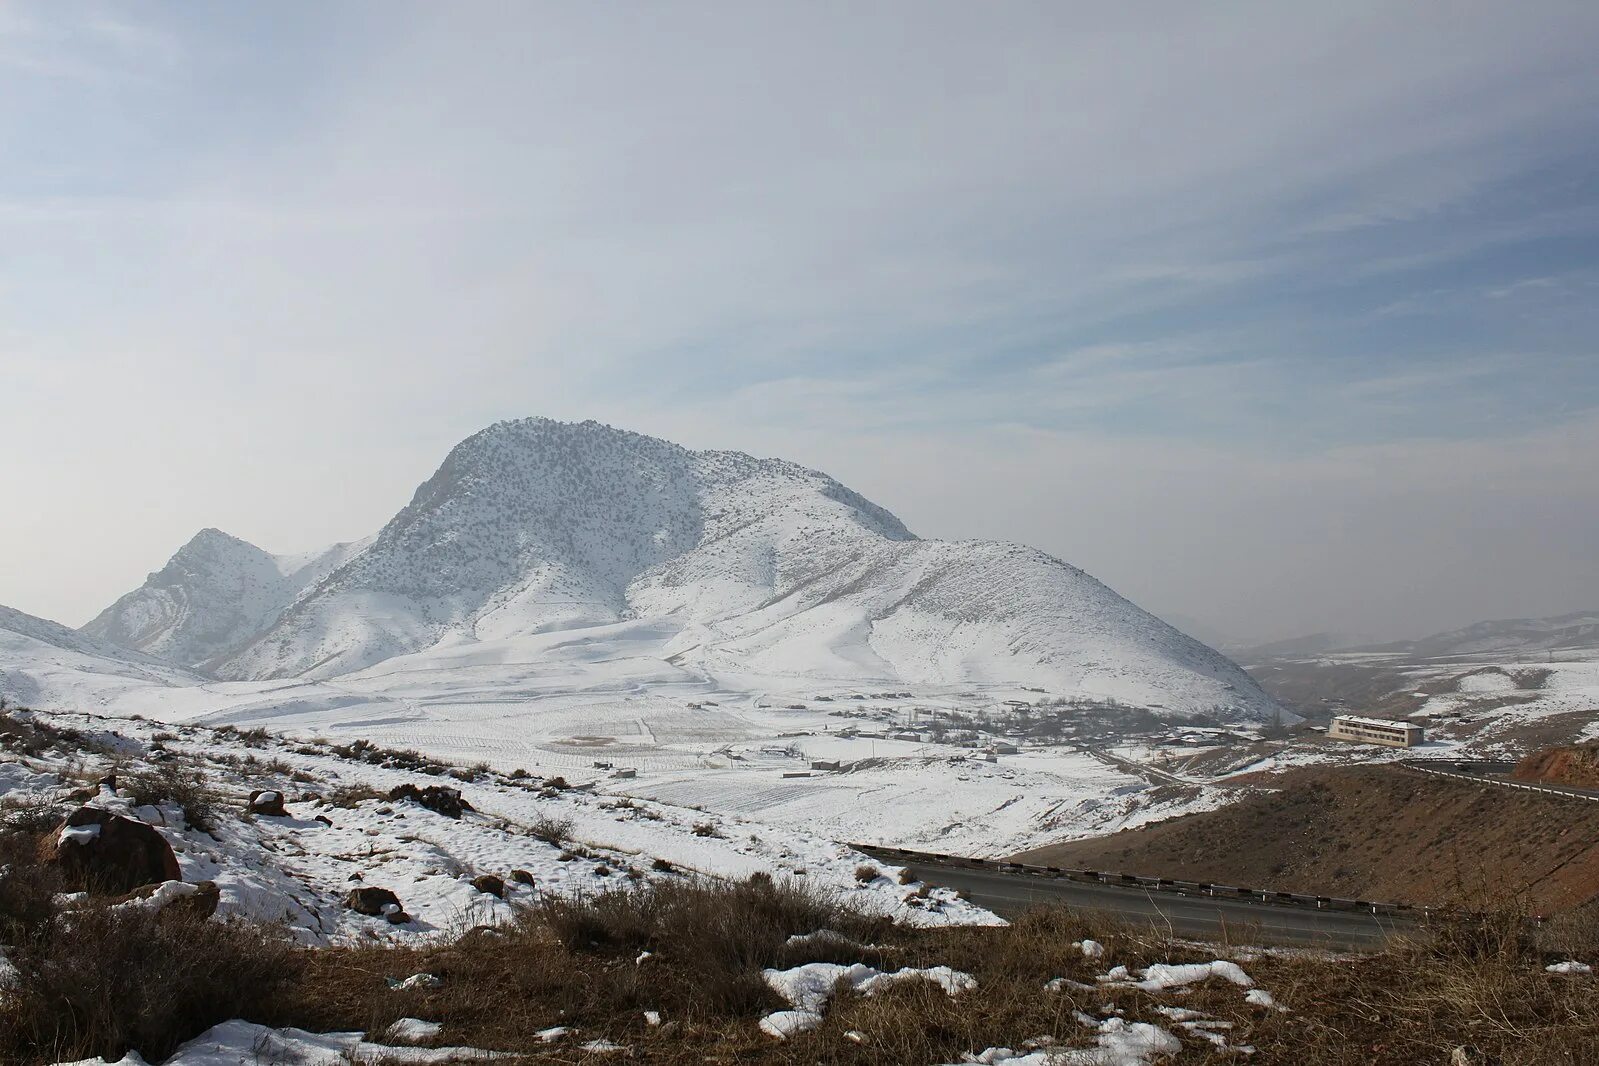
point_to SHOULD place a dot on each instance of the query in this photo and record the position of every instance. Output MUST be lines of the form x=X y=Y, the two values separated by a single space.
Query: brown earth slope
x=1371 y=832
x=1574 y=765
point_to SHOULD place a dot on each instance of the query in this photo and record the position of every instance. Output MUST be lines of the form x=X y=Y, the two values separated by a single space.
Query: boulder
x=490 y=884
x=324 y=819
x=438 y=798
x=267 y=802
x=101 y=852
x=199 y=900
x=370 y=899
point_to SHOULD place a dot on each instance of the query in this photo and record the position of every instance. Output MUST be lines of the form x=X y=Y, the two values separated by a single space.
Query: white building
x=1375 y=731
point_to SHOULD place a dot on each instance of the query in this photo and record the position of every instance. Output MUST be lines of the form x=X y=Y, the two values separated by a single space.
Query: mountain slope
x=211 y=598
x=46 y=664
x=537 y=525
x=1576 y=631
x=739 y=565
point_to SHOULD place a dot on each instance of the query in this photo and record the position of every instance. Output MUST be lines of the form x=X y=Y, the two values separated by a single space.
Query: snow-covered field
x=590 y=704
x=299 y=868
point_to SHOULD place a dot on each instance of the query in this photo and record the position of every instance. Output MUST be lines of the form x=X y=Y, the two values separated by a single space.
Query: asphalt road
x=1201 y=917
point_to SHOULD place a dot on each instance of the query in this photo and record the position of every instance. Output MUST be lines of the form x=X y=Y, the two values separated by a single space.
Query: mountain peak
x=211 y=542
x=721 y=562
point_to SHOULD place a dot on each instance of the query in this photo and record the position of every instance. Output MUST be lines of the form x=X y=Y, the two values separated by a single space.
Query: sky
x=1278 y=318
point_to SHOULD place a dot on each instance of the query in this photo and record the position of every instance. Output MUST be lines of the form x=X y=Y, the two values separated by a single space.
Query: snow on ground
x=809 y=987
x=1119 y=1042
x=240 y=1043
x=558 y=703
x=299 y=869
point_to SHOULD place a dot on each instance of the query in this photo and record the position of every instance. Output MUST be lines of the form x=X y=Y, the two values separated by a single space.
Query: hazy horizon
x=1276 y=319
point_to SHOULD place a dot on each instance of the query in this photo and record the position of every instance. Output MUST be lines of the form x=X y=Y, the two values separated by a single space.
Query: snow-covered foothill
x=301 y=869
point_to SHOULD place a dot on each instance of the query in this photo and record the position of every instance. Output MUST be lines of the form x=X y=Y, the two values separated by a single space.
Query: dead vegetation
x=92 y=978
x=583 y=964
x=30 y=735
x=98 y=981
x=178 y=781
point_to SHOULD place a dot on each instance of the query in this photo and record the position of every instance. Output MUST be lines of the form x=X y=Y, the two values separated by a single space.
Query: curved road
x=1010 y=889
x=1009 y=892
x=1494 y=773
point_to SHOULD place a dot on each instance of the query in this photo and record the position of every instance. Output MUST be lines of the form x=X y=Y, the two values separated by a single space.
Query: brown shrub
x=353 y=795
x=100 y=981
x=175 y=781
x=723 y=933
x=553 y=831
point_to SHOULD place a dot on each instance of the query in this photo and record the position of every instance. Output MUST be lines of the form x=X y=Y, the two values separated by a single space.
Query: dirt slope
x=1575 y=765
x=1373 y=833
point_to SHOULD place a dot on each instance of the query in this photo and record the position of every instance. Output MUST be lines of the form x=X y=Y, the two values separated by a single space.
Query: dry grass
x=553 y=831
x=572 y=963
x=178 y=781
x=354 y=795
x=693 y=950
x=95 y=979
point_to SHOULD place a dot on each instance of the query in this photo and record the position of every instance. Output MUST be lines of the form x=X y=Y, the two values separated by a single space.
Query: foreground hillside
x=355 y=814
x=1571 y=765
x=1372 y=832
x=736 y=565
x=154 y=908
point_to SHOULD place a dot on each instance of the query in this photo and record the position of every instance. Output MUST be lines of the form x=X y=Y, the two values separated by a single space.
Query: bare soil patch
x=1371 y=832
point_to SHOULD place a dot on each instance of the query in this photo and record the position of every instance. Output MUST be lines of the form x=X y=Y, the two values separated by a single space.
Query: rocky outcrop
x=98 y=851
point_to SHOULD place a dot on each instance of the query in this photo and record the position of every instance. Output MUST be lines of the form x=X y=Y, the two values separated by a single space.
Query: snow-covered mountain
x=1578 y=631
x=44 y=663
x=213 y=597
x=752 y=566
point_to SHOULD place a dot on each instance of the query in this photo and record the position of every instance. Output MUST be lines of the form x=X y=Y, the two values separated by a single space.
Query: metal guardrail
x=1261 y=896
x=1421 y=767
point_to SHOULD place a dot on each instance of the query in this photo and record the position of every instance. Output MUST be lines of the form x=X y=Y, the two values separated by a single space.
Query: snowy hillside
x=214 y=596
x=44 y=663
x=1578 y=631
x=739 y=565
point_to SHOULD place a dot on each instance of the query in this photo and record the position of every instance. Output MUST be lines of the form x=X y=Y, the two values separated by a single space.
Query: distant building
x=1375 y=731
x=825 y=764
